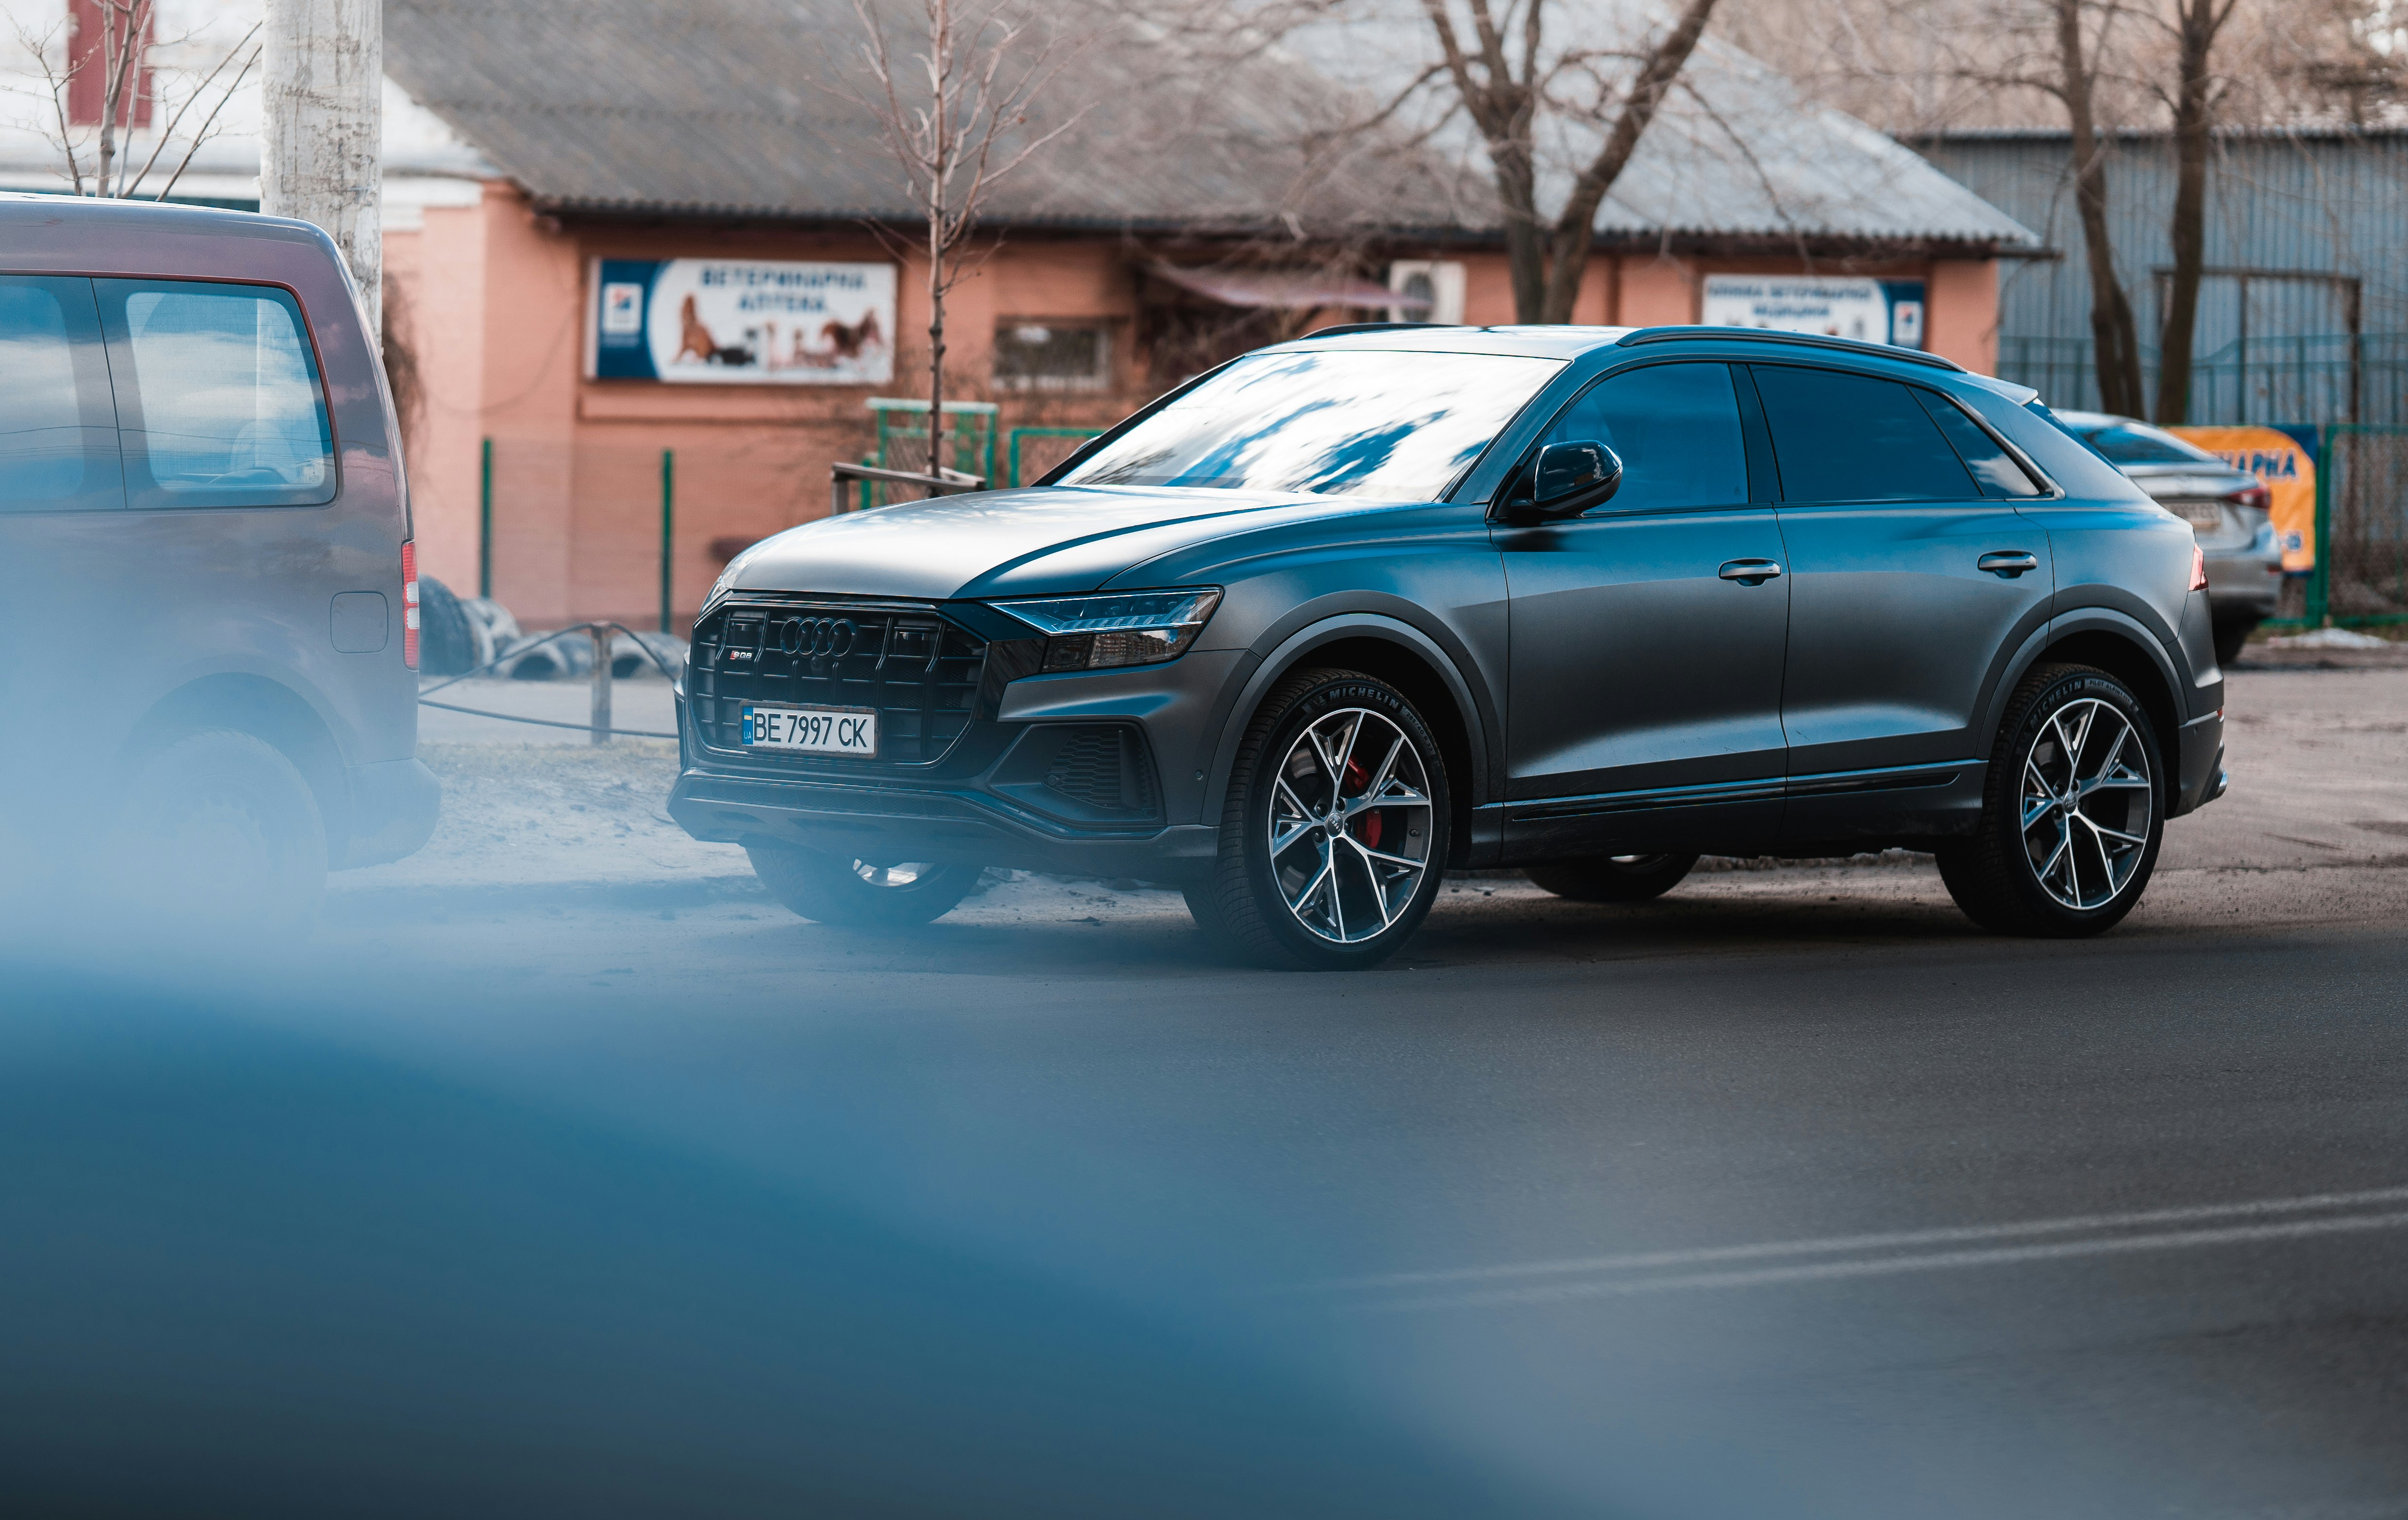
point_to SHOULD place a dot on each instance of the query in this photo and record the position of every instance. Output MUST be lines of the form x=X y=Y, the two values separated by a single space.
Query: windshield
x=2137 y=443
x=1351 y=423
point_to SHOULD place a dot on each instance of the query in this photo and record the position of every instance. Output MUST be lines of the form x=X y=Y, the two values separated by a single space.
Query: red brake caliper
x=1368 y=831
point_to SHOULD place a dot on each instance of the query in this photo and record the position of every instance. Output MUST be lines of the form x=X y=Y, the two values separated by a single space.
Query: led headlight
x=1129 y=628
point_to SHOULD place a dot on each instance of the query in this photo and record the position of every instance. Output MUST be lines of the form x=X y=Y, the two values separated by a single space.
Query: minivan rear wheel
x=1333 y=834
x=221 y=835
x=2072 y=813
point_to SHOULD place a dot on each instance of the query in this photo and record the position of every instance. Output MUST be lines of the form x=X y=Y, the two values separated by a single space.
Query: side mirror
x=1572 y=478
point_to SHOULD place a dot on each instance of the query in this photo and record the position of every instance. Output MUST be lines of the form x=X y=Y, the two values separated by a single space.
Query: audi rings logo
x=822 y=637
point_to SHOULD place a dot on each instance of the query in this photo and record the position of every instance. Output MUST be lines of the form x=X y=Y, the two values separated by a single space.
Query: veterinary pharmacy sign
x=1875 y=310
x=742 y=322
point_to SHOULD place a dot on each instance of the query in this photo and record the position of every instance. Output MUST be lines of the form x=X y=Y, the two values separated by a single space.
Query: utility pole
x=323 y=156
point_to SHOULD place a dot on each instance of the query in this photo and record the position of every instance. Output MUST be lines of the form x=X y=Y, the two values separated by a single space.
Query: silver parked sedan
x=2225 y=507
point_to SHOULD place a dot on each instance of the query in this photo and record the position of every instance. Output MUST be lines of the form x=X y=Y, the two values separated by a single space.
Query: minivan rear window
x=58 y=431
x=217 y=396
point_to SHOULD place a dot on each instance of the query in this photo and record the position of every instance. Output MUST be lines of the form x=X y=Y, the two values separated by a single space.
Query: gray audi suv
x=1353 y=611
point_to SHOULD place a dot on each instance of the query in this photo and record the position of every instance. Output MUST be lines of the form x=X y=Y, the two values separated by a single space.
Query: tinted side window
x=58 y=431
x=1994 y=470
x=1839 y=436
x=217 y=396
x=1676 y=427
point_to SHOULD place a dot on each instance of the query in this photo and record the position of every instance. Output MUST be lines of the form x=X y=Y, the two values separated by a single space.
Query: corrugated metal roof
x=739 y=108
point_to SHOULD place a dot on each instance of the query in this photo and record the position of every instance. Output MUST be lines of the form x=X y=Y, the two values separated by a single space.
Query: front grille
x=920 y=672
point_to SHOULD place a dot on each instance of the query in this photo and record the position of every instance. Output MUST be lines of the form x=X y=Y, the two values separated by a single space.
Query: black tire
x=2231 y=638
x=447 y=643
x=2010 y=878
x=854 y=894
x=1612 y=878
x=1243 y=907
x=221 y=835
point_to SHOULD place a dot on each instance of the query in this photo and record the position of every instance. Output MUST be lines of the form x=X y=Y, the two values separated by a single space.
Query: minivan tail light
x=409 y=603
x=2197 y=582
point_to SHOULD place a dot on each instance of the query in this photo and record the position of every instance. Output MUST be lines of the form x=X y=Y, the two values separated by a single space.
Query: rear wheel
x=1333 y=836
x=857 y=894
x=2072 y=810
x=1612 y=878
x=221 y=835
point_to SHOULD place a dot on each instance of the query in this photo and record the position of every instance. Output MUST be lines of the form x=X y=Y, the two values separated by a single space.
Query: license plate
x=2201 y=514
x=849 y=731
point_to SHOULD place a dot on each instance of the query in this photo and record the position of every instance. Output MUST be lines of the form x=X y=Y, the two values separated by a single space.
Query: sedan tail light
x=2198 y=579
x=410 y=604
x=2250 y=495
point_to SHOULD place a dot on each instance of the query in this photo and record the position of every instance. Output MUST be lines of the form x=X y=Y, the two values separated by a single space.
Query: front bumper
x=992 y=801
x=954 y=825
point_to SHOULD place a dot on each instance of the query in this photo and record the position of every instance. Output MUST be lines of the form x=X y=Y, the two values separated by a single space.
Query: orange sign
x=2288 y=469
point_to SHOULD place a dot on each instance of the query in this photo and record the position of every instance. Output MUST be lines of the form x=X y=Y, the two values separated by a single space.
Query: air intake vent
x=1090 y=773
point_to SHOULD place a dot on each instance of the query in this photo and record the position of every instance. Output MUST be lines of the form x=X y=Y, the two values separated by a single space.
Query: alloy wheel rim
x=1349 y=825
x=2088 y=804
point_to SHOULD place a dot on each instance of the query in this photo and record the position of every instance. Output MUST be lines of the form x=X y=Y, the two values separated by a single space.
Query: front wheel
x=2072 y=810
x=1612 y=878
x=1333 y=835
x=856 y=894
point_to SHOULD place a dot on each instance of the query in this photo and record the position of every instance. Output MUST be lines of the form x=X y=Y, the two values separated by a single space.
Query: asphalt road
x=1790 y=1195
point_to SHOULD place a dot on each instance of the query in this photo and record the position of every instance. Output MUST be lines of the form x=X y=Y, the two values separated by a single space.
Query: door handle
x=2006 y=566
x=1750 y=572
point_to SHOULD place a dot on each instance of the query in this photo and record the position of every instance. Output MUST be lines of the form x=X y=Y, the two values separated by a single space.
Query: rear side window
x=1994 y=469
x=58 y=431
x=217 y=396
x=1676 y=430
x=1839 y=436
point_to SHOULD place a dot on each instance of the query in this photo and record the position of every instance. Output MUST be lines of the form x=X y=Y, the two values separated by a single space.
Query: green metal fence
x=1055 y=453
x=2361 y=574
x=903 y=443
x=2328 y=379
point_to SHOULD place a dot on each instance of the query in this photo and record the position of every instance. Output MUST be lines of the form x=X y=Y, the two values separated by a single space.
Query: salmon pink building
x=641 y=302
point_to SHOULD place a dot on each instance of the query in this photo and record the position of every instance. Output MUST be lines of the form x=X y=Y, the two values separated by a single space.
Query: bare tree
x=956 y=118
x=2193 y=103
x=2116 y=343
x=1508 y=83
x=121 y=57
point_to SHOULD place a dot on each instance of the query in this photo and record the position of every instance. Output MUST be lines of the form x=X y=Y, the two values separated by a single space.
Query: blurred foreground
x=562 y=1172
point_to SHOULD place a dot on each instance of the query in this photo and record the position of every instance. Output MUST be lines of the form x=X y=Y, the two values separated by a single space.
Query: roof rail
x=1343 y=328
x=1809 y=340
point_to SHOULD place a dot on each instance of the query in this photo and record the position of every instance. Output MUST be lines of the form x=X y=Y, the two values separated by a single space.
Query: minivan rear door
x=1913 y=581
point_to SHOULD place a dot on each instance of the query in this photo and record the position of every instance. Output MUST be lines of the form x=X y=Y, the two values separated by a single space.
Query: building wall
x=2323 y=211
x=498 y=297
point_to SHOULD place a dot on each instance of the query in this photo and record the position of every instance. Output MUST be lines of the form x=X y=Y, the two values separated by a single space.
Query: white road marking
x=1877 y=1254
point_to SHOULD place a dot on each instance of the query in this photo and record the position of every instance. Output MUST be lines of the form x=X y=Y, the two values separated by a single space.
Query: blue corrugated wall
x=2317 y=221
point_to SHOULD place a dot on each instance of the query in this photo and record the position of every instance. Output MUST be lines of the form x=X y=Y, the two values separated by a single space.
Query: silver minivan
x=208 y=589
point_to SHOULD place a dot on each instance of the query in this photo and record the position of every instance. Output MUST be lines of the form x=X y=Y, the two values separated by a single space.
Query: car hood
x=1034 y=542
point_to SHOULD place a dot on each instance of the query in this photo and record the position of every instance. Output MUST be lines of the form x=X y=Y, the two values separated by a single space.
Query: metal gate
x=2361 y=575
